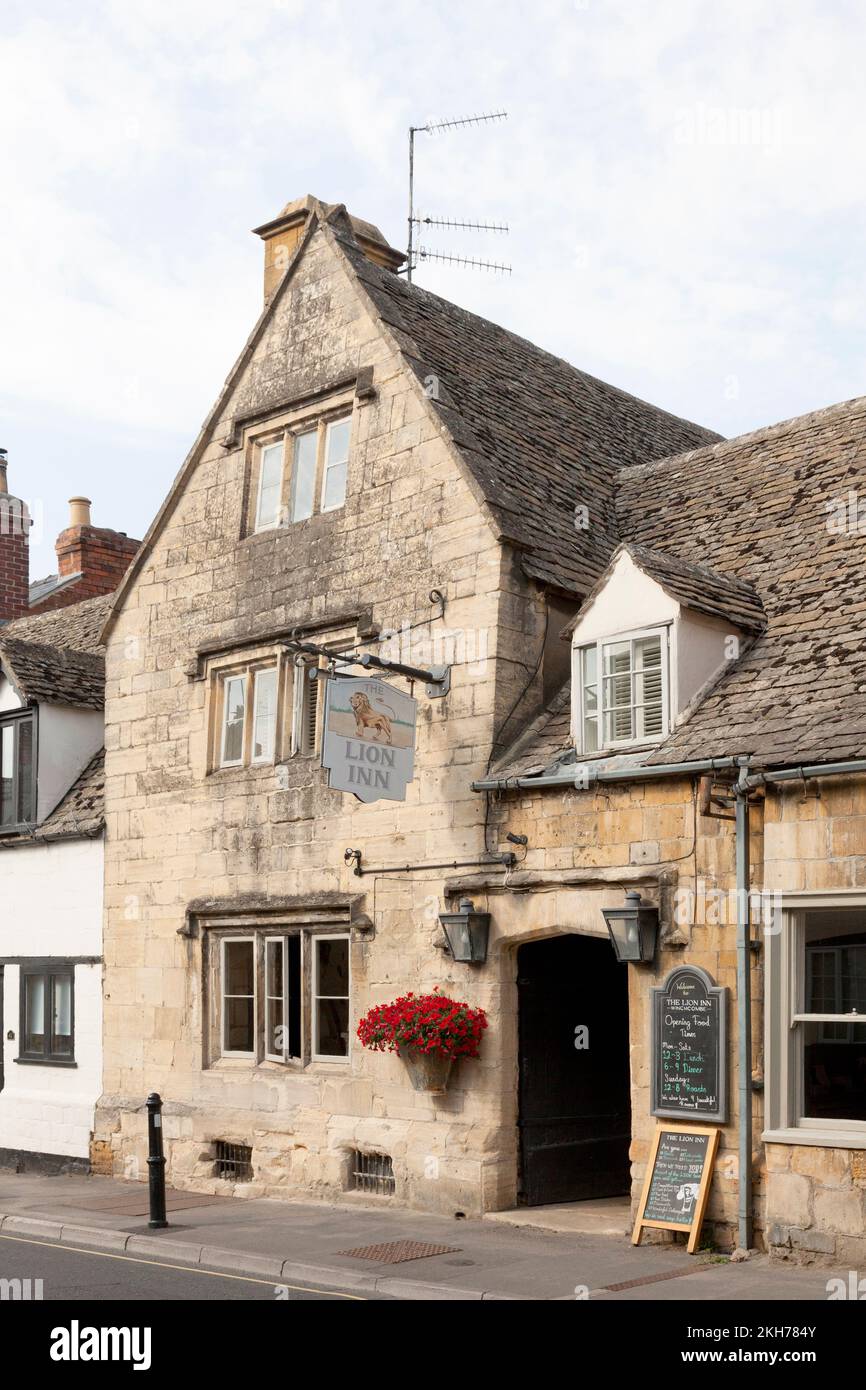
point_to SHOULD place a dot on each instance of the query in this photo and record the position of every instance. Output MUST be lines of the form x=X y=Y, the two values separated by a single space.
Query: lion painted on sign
x=369 y=719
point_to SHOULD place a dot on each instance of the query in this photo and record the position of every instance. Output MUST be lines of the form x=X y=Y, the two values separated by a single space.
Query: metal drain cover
x=394 y=1252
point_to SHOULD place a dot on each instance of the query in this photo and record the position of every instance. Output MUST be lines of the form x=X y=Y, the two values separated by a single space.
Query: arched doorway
x=574 y=1087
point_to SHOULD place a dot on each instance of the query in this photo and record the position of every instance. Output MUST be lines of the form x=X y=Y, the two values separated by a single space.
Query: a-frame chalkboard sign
x=677 y=1183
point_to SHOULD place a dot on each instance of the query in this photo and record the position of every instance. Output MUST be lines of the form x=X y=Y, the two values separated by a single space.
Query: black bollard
x=155 y=1163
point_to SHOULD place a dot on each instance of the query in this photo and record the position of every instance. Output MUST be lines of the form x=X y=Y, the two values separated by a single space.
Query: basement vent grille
x=373 y=1173
x=234 y=1162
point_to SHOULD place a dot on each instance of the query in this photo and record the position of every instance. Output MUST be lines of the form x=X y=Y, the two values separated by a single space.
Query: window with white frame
x=281 y=996
x=266 y=711
x=816 y=1023
x=622 y=690
x=301 y=471
x=249 y=707
x=330 y=996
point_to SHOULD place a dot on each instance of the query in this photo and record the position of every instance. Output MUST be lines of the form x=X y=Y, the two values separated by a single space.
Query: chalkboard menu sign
x=689 y=1052
x=677 y=1183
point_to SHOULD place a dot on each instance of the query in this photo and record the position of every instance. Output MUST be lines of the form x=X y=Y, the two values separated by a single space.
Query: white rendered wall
x=68 y=739
x=51 y=906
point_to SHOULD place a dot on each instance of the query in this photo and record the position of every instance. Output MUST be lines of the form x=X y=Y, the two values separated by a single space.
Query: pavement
x=328 y=1245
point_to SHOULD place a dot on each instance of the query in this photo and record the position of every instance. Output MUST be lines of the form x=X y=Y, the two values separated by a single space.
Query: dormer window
x=623 y=690
x=17 y=771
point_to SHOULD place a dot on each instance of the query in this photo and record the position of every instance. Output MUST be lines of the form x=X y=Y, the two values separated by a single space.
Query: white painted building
x=51 y=887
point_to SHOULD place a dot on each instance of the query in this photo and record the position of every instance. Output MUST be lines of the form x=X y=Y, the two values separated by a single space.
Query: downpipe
x=744 y=1013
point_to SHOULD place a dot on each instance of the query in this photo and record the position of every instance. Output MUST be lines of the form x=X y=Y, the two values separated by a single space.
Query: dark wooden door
x=575 y=1108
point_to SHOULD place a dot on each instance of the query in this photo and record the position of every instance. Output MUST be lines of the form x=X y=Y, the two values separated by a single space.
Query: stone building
x=386 y=473
x=382 y=472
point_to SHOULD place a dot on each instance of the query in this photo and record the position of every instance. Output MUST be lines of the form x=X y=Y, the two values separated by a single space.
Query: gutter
x=624 y=774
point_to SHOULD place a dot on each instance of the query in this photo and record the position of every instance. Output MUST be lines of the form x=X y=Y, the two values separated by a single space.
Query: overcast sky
x=683 y=181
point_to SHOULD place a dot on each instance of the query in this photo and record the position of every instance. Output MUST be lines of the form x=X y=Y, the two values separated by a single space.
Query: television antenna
x=424 y=253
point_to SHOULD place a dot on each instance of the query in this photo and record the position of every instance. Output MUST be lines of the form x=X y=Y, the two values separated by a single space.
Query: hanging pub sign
x=368 y=743
x=677 y=1183
x=689 y=1053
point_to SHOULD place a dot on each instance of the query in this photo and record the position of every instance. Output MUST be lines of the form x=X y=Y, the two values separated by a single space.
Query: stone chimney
x=281 y=237
x=14 y=551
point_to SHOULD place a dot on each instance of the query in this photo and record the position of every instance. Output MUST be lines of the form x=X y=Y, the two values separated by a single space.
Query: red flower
x=430 y=1022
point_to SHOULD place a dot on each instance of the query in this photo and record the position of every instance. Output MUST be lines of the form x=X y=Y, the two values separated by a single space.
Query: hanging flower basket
x=428 y=1032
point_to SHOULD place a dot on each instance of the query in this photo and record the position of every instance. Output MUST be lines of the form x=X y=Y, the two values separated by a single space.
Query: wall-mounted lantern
x=466 y=932
x=633 y=929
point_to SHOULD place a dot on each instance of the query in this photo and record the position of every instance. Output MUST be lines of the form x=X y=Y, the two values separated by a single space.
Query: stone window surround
x=309 y=923
x=782 y=973
x=293 y=694
x=285 y=427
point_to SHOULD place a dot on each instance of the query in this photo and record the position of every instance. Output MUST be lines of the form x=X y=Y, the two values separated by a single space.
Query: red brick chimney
x=14 y=551
x=91 y=560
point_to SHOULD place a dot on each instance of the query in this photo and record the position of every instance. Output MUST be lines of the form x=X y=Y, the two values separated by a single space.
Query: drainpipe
x=744 y=1013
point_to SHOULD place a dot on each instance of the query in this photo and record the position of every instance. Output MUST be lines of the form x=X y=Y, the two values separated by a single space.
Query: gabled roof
x=56 y=658
x=762 y=510
x=539 y=437
x=536 y=437
x=692 y=585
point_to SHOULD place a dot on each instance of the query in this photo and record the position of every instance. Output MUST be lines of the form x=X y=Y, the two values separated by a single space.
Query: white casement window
x=622 y=690
x=238 y=997
x=330 y=997
x=234 y=706
x=269 y=504
x=249 y=714
x=306 y=449
x=270 y=1001
x=304 y=471
x=336 y=465
x=282 y=1021
x=816 y=1022
x=264 y=715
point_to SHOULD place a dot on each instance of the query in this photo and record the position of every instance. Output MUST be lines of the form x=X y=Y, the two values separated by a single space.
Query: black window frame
x=16 y=718
x=49 y=970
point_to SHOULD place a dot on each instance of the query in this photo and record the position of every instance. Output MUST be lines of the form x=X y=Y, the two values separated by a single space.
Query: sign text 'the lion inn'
x=369 y=739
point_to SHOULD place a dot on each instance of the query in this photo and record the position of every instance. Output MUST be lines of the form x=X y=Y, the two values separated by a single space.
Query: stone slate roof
x=763 y=508
x=78 y=626
x=81 y=812
x=538 y=436
x=694 y=586
x=759 y=509
x=56 y=658
x=54 y=675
